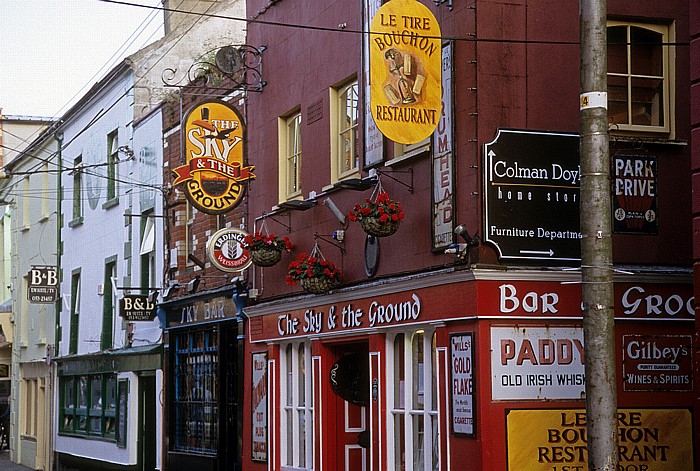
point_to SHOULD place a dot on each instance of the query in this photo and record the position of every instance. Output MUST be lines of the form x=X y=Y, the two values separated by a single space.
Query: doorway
x=349 y=380
x=147 y=422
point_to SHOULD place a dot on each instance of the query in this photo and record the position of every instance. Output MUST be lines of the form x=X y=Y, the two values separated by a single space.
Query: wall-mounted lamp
x=334 y=209
x=168 y=291
x=153 y=296
x=193 y=285
x=462 y=249
x=126 y=150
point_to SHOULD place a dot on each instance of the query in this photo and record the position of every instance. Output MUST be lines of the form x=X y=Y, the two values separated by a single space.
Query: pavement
x=7 y=465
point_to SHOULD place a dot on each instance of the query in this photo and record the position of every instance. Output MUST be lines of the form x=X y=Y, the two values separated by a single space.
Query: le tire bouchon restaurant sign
x=405 y=71
x=136 y=307
x=214 y=174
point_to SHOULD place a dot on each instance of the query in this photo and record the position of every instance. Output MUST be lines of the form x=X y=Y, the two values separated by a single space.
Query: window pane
x=617 y=100
x=111 y=393
x=646 y=51
x=83 y=392
x=69 y=398
x=302 y=438
x=399 y=375
x=400 y=447
x=290 y=375
x=302 y=375
x=436 y=444
x=418 y=437
x=418 y=371
x=96 y=393
x=647 y=102
x=433 y=362
x=617 y=49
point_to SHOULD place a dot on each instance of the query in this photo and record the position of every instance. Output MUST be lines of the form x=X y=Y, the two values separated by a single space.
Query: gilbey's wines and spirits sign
x=215 y=174
x=405 y=60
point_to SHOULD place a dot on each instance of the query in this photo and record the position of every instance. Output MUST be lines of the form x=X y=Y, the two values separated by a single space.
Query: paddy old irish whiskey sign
x=214 y=174
x=405 y=73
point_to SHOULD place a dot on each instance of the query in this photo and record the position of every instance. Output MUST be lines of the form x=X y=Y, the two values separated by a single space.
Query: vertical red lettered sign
x=462 y=383
x=259 y=406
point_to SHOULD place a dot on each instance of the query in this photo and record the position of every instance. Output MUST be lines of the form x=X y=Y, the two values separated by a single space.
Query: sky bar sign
x=214 y=174
x=405 y=71
x=532 y=195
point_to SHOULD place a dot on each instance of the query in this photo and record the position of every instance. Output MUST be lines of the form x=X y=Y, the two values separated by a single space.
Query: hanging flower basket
x=266 y=257
x=266 y=249
x=380 y=217
x=315 y=274
x=316 y=284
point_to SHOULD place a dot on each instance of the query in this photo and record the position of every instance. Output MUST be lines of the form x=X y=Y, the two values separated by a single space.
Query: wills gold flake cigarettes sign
x=405 y=71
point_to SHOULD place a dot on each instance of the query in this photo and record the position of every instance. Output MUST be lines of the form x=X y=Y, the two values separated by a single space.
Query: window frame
x=72 y=415
x=77 y=192
x=297 y=412
x=403 y=412
x=667 y=32
x=112 y=173
x=287 y=180
x=74 y=320
x=338 y=97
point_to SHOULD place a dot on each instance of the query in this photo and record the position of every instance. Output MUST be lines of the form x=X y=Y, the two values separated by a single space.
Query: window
x=290 y=156
x=74 y=312
x=45 y=197
x=88 y=405
x=413 y=433
x=639 y=77
x=29 y=424
x=190 y=238
x=196 y=364
x=26 y=208
x=109 y=305
x=297 y=403
x=345 y=133
x=112 y=160
x=148 y=252
x=77 y=191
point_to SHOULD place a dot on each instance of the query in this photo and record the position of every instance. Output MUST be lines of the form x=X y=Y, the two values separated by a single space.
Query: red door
x=349 y=377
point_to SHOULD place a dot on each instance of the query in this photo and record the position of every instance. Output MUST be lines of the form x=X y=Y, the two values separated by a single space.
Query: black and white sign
x=42 y=287
x=532 y=195
x=462 y=383
x=136 y=307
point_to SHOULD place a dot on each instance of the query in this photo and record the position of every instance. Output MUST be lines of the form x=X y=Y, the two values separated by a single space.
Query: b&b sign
x=43 y=285
x=136 y=307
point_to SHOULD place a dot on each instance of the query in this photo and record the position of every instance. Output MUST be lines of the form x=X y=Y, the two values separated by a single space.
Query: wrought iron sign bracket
x=240 y=65
x=328 y=241
x=408 y=171
x=287 y=226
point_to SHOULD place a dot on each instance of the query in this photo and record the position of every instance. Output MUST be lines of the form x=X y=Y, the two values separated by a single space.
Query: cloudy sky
x=54 y=50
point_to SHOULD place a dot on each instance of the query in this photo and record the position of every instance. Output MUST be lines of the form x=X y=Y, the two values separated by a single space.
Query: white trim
x=347 y=457
x=363 y=417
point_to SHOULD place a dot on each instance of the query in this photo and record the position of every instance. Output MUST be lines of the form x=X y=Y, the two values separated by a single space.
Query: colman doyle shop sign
x=214 y=173
x=405 y=71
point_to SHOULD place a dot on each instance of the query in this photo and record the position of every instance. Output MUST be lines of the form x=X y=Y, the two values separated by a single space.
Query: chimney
x=188 y=11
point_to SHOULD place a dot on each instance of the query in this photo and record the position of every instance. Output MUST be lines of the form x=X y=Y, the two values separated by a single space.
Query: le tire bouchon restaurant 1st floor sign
x=214 y=174
x=405 y=71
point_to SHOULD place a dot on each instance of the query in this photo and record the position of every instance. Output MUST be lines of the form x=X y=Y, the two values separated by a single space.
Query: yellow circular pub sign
x=214 y=174
x=405 y=71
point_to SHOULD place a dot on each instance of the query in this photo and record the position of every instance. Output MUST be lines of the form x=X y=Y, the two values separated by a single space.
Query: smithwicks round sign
x=225 y=250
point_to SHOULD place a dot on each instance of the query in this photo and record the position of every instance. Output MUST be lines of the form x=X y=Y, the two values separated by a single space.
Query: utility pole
x=596 y=243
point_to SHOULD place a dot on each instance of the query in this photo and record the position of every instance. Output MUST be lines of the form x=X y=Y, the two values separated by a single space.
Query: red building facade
x=456 y=342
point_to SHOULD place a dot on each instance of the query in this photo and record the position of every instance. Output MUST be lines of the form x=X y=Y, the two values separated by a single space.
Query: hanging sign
x=136 y=307
x=405 y=68
x=215 y=173
x=226 y=251
x=43 y=285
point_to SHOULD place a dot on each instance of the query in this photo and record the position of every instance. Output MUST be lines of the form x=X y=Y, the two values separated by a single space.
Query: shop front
x=442 y=370
x=202 y=387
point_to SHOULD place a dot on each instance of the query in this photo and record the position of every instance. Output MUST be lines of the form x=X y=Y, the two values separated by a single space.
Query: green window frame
x=88 y=405
x=77 y=191
x=109 y=304
x=74 y=312
x=112 y=160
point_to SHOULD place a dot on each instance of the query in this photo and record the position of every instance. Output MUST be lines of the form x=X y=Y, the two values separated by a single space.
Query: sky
x=53 y=51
